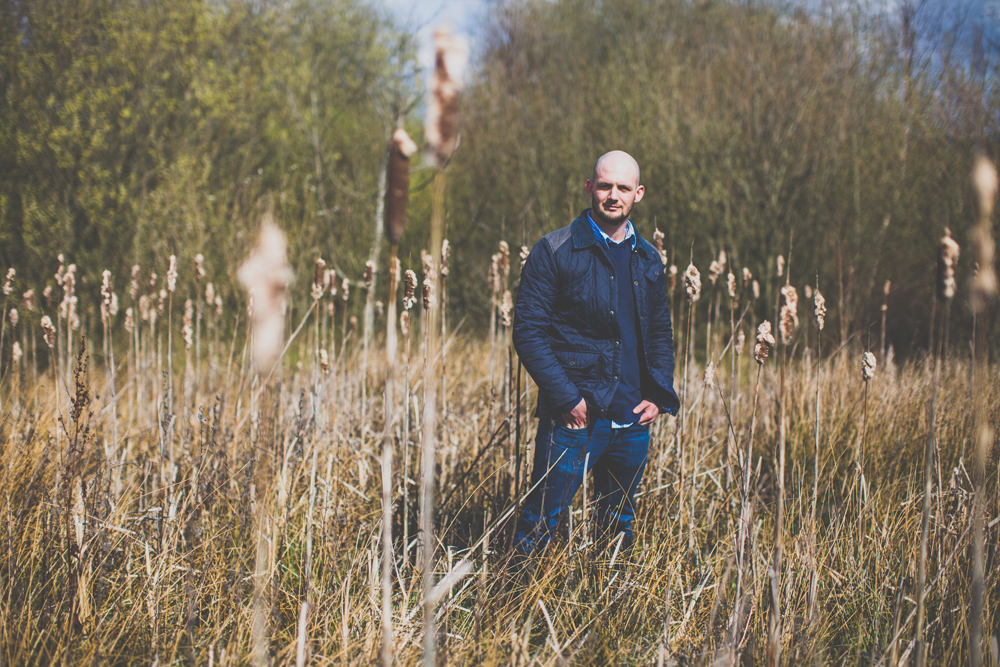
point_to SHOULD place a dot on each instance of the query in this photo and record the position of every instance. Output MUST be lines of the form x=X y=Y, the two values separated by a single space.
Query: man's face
x=613 y=190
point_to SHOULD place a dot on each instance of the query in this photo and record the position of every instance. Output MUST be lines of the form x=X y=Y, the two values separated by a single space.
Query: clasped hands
x=577 y=417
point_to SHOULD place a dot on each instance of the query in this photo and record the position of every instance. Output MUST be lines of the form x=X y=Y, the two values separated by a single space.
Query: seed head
x=345 y=289
x=199 y=267
x=29 y=300
x=658 y=242
x=445 y=256
x=781 y=265
x=710 y=374
x=984 y=285
x=13 y=317
x=369 y=273
x=409 y=289
x=756 y=289
x=524 y=256
x=161 y=305
x=948 y=252
x=152 y=281
x=47 y=295
x=324 y=360
x=789 y=313
x=747 y=277
x=266 y=275
x=441 y=117
x=48 y=331
x=8 y=284
x=692 y=283
x=129 y=320
x=808 y=291
x=867 y=366
x=672 y=274
x=495 y=275
x=984 y=182
x=504 y=261
x=114 y=304
x=16 y=353
x=144 y=308
x=404 y=323
x=819 y=309
x=397 y=191
x=172 y=274
x=354 y=324
x=741 y=341
x=59 y=271
x=319 y=277
x=886 y=288
x=765 y=341
x=218 y=306
x=731 y=285
x=428 y=293
x=188 y=330
x=506 y=305
x=427 y=263
x=133 y=289
x=210 y=294
x=714 y=271
x=106 y=289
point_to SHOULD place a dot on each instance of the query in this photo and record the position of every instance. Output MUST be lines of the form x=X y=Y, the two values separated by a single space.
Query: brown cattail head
x=404 y=323
x=129 y=320
x=731 y=285
x=428 y=293
x=409 y=289
x=658 y=242
x=133 y=290
x=741 y=341
x=48 y=331
x=506 y=305
x=106 y=288
x=59 y=271
x=765 y=341
x=324 y=360
x=756 y=289
x=16 y=353
x=781 y=265
x=441 y=118
x=369 y=273
x=714 y=271
x=8 y=284
x=445 y=256
x=692 y=283
x=397 y=191
x=319 y=276
x=47 y=295
x=524 y=255
x=172 y=274
x=867 y=366
x=504 y=262
x=672 y=274
x=808 y=291
x=266 y=275
x=14 y=317
x=199 y=267
x=984 y=285
x=948 y=252
x=345 y=289
x=819 y=309
x=747 y=277
x=29 y=300
x=789 y=314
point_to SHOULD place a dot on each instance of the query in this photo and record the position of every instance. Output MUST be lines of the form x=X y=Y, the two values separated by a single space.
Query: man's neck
x=616 y=231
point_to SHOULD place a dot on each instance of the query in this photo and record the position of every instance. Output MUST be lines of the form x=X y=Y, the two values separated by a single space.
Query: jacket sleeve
x=661 y=346
x=536 y=301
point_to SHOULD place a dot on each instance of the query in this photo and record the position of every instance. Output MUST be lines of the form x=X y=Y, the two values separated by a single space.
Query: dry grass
x=201 y=555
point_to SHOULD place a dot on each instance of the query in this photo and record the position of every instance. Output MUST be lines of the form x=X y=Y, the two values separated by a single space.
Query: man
x=592 y=327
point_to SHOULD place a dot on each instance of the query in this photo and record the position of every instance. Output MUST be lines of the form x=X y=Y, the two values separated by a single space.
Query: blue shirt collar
x=605 y=240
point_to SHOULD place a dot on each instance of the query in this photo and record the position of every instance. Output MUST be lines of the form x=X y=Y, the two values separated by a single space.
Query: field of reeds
x=167 y=502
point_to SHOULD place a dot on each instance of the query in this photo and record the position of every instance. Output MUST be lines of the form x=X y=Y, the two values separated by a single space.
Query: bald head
x=620 y=163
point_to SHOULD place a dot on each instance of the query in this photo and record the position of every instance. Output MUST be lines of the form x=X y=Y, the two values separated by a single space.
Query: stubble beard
x=605 y=218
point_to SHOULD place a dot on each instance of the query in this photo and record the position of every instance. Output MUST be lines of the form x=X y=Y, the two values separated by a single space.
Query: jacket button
x=617 y=343
x=612 y=276
x=612 y=312
x=616 y=377
x=635 y=282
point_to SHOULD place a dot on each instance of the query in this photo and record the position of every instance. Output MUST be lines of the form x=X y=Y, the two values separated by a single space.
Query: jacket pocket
x=579 y=364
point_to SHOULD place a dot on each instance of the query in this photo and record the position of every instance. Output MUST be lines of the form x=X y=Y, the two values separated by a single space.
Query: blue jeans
x=617 y=459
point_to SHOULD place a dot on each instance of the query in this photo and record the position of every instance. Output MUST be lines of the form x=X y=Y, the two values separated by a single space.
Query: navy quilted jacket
x=565 y=329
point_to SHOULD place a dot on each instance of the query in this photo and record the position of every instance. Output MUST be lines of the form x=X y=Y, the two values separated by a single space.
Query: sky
x=423 y=16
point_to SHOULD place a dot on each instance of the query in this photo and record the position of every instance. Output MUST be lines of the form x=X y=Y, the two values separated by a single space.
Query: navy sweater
x=629 y=391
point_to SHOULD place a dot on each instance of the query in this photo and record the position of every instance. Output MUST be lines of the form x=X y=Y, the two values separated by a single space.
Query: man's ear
x=589 y=187
x=639 y=192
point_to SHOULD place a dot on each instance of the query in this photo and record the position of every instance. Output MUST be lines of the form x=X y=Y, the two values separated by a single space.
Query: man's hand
x=577 y=417
x=648 y=412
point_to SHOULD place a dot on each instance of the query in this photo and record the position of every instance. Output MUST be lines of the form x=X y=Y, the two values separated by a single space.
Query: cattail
x=172 y=274
x=47 y=295
x=714 y=271
x=379 y=309
x=266 y=275
x=731 y=285
x=153 y=278
x=427 y=263
x=445 y=256
x=428 y=293
x=13 y=317
x=741 y=340
x=129 y=320
x=524 y=256
x=161 y=304
x=8 y=285
x=199 y=267
x=808 y=291
x=788 y=318
x=210 y=294
x=114 y=304
x=16 y=353
x=324 y=360
x=504 y=261
x=144 y=308
x=401 y=149
x=692 y=283
x=29 y=300
x=345 y=289
x=48 y=331
x=867 y=366
x=710 y=374
x=885 y=294
x=984 y=183
x=369 y=273
x=354 y=324
x=781 y=265
x=218 y=306
x=506 y=305
x=59 y=271
x=756 y=289
x=409 y=289
x=658 y=242
x=722 y=261
x=319 y=276
x=948 y=252
x=188 y=330
x=984 y=284
x=819 y=309
x=106 y=295
x=495 y=274
x=394 y=271
x=441 y=117
x=672 y=273
x=747 y=277
x=765 y=341
x=133 y=289
x=404 y=323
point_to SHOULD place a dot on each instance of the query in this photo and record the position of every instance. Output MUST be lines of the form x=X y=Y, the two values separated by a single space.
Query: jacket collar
x=583 y=236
